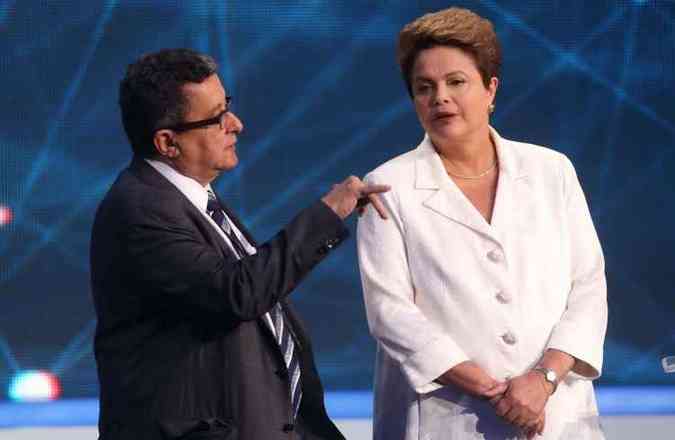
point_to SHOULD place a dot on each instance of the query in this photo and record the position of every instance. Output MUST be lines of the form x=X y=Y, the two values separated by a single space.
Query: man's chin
x=230 y=164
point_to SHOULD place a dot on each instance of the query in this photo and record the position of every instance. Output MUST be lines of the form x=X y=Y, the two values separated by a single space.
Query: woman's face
x=450 y=98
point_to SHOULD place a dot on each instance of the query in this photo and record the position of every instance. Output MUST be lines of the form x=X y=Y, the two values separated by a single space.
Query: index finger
x=368 y=189
x=379 y=207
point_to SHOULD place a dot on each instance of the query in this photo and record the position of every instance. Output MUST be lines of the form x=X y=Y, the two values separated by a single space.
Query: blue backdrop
x=318 y=89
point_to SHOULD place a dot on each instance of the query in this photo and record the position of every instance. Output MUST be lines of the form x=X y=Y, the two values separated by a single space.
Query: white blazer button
x=495 y=256
x=503 y=298
x=509 y=338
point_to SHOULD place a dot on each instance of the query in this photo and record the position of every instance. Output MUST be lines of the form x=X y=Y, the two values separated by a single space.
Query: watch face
x=551 y=376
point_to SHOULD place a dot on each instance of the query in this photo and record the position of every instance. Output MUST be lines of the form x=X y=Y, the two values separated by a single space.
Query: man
x=195 y=336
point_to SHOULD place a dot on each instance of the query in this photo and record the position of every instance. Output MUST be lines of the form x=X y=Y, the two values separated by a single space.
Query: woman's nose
x=442 y=95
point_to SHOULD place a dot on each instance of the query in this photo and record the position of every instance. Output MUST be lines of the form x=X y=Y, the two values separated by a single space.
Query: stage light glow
x=6 y=215
x=33 y=386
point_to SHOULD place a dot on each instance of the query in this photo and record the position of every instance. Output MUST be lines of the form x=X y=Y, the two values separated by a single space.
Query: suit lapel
x=232 y=216
x=262 y=321
x=154 y=178
x=150 y=176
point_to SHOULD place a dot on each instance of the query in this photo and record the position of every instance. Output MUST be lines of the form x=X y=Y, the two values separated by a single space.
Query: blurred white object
x=668 y=363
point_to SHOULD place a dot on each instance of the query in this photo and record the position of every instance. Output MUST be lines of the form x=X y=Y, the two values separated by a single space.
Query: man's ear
x=166 y=143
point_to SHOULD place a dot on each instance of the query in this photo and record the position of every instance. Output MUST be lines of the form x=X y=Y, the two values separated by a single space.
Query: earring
x=491 y=109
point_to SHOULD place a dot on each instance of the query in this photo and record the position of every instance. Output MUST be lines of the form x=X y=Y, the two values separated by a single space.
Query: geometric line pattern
x=321 y=98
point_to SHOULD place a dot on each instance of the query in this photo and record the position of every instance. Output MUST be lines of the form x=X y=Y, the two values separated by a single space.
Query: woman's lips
x=443 y=116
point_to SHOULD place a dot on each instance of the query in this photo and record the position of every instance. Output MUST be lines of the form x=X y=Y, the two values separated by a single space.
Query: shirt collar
x=193 y=190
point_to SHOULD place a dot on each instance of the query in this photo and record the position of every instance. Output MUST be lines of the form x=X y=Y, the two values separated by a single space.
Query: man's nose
x=233 y=123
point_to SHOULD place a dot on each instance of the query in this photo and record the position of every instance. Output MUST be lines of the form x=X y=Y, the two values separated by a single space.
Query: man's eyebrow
x=217 y=108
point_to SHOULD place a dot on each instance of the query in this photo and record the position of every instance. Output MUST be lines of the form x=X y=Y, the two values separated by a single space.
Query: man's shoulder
x=132 y=197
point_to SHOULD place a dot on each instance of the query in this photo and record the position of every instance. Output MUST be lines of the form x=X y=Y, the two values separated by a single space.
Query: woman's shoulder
x=398 y=167
x=530 y=157
x=533 y=152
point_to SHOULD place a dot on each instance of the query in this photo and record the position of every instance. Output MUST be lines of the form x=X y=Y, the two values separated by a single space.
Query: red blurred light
x=34 y=386
x=6 y=215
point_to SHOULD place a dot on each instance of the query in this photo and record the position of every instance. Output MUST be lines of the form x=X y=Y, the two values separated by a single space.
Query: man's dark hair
x=151 y=95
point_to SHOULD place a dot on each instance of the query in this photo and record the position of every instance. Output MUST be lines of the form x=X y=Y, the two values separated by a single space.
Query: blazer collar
x=449 y=201
x=145 y=172
x=148 y=175
x=430 y=173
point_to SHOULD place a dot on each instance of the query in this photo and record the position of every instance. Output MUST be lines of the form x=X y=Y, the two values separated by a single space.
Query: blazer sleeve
x=168 y=258
x=581 y=329
x=423 y=350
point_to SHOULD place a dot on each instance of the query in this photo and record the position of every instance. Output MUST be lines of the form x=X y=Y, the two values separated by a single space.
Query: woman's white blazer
x=442 y=286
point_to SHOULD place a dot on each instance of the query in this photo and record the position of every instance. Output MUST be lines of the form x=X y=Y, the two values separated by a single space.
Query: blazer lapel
x=150 y=176
x=449 y=201
x=512 y=182
x=262 y=321
x=446 y=199
x=232 y=216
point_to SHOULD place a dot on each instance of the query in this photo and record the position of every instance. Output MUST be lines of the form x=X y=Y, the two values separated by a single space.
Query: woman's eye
x=422 y=88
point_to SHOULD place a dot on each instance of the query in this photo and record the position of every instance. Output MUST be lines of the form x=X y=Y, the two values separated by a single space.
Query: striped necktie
x=287 y=346
x=215 y=211
x=276 y=315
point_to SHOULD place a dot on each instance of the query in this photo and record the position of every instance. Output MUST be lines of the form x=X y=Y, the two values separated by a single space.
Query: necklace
x=477 y=176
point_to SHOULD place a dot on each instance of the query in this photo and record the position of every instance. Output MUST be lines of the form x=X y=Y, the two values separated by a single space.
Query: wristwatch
x=550 y=376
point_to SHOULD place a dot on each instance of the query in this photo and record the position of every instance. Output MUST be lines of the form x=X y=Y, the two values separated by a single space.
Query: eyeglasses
x=218 y=119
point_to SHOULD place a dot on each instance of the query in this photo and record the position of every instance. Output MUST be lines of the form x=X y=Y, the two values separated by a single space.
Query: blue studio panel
x=320 y=95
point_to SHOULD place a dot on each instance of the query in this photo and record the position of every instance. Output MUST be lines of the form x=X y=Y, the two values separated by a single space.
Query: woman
x=486 y=290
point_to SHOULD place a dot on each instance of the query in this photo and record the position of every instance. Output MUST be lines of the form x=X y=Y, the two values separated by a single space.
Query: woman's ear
x=492 y=87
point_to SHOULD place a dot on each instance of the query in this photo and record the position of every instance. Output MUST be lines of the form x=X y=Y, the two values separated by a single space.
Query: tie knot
x=212 y=205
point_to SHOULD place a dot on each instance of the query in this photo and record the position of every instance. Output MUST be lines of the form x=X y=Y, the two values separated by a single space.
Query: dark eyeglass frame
x=218 y=119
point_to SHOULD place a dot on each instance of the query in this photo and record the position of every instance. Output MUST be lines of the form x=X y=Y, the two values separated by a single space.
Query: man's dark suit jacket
x=180 y=347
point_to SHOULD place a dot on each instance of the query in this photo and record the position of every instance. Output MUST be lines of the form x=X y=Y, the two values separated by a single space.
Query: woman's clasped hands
x=520 y=401
x=523 y=402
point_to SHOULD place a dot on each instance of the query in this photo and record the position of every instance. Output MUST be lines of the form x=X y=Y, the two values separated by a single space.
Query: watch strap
x=550 y=376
